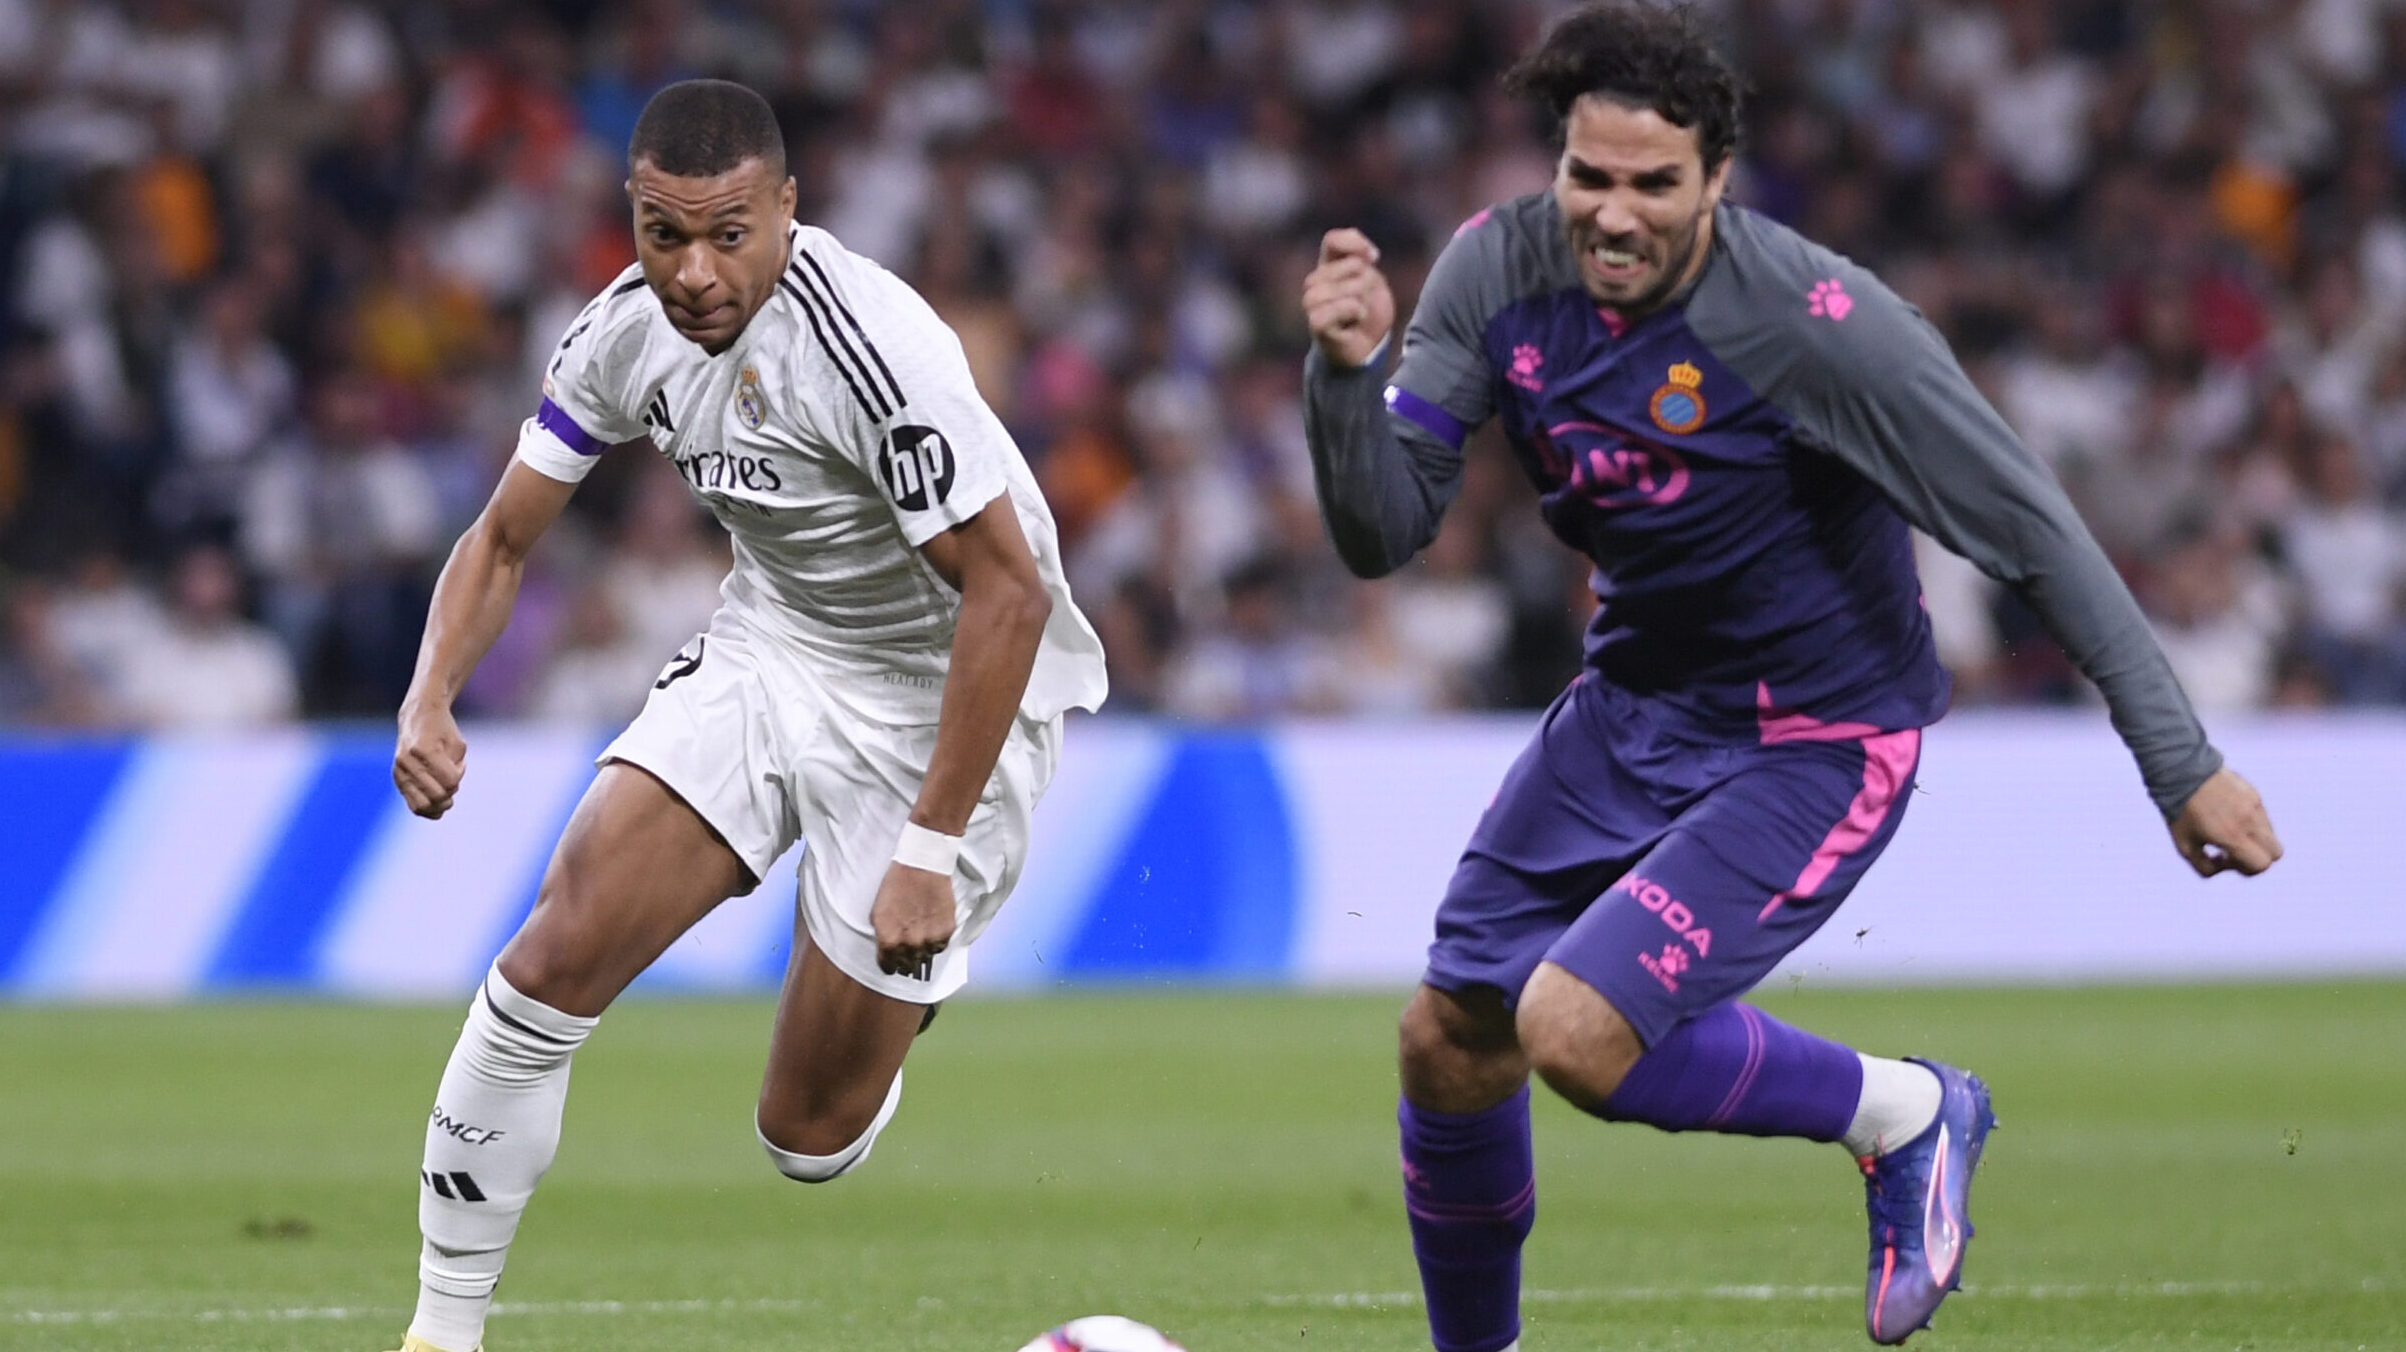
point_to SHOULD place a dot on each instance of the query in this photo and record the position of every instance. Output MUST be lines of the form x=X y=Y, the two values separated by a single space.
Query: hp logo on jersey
x=918 y=467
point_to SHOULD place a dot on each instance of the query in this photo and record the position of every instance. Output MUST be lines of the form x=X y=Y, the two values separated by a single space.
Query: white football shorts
x=758 y=743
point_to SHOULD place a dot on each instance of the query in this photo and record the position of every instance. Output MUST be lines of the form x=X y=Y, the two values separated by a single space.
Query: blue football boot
x=1919 y=1196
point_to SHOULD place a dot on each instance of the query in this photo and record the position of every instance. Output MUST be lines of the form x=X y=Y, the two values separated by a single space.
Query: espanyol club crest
x=1679 y=405
x=750 y=404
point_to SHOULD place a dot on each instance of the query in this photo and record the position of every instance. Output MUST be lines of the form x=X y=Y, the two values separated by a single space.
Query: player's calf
x=1470 y=1186
x=1575 y=1040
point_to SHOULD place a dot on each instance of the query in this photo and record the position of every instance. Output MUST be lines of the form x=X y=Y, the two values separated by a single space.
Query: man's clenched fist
x=1346 y=301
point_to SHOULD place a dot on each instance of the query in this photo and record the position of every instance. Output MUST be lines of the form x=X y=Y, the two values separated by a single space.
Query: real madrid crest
x=753 y=407
x=1679 y=405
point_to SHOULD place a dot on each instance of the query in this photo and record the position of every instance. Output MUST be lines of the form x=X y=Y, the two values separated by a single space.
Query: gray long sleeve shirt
x=1740 y=466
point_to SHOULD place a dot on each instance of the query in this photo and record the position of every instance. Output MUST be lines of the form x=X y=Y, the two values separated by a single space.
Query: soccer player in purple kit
x=1736 y=425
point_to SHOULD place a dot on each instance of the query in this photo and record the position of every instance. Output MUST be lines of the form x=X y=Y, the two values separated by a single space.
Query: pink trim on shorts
x=1887 y=766
x=1776 y=724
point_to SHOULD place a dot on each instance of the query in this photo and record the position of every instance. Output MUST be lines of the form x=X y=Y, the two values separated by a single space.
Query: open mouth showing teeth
x=1614 y=260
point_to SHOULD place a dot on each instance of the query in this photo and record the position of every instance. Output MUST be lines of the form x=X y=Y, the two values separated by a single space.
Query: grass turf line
x=2205 y=1167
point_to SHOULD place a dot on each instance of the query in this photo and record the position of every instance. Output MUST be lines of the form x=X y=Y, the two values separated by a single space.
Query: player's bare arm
x=472 y=603
x=2224 y=826
x=1003 y=611
x=1346 y=300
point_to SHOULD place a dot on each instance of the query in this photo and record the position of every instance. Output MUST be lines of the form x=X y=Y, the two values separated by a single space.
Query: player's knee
x=809 y=1137
x=1575 y=1040
x=823 y=1145
x=1457 y=1050
x=550 y=971
x=558 y=960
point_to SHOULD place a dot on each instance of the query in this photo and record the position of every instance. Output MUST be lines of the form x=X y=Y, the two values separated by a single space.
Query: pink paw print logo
x=1829 y=300
x=1674 y=959
x=1527 y=361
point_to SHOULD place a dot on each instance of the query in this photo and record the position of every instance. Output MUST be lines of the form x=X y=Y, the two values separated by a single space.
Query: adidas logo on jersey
x=655 y=414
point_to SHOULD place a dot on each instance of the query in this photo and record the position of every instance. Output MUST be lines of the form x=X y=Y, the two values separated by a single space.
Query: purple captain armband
x=555 y=420
x=1433 y=420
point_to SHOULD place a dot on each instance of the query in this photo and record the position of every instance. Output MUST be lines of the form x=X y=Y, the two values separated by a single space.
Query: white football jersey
x=837 y=434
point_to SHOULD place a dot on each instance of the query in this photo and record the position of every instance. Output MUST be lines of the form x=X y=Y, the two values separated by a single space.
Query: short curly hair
x=1646 y=55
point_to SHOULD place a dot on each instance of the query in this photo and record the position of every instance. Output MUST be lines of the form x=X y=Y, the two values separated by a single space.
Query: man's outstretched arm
x=1876 y=386
x=472 y=603
x=1967 y=480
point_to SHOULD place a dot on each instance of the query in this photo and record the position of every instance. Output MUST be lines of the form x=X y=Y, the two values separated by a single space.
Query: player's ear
x=1716 y=182
x=786 y=196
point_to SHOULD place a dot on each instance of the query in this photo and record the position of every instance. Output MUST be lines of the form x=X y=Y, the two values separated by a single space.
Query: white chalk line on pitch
x=1327 y=1300
x=1605 y=1295
x=501 y=1309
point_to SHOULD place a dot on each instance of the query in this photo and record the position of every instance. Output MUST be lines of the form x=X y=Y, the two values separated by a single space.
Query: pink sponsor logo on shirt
x=1829 y=300
x=1527 y=361
x=1612 y=470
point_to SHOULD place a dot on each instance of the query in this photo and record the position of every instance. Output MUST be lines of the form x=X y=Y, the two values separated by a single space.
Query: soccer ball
x=1103 y=1333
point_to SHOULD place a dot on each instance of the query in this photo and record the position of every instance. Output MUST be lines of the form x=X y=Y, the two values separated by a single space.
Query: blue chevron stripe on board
x=533 y=885
x=1207 y=883
x=51 y=793
x=299 y=889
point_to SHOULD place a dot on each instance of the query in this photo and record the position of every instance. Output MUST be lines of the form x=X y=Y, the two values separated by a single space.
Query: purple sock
x=1736 y=1069
x=1470 y=1189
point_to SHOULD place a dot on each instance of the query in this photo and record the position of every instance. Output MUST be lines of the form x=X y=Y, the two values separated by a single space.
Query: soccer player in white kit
x=886 y=678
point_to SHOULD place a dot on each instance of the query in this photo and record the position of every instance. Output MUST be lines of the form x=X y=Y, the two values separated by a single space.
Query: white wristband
x=931 y=850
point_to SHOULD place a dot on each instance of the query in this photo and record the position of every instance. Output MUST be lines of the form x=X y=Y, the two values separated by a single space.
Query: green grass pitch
x=2197 y=1167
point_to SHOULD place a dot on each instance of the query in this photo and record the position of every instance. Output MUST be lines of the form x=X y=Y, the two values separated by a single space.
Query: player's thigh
x=634 y=870
x=857 y=785
x=833 y=1054
x=689 y=808
x=1741 y=880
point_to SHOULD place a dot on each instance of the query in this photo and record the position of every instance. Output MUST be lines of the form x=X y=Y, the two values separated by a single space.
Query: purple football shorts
x=1668 y=875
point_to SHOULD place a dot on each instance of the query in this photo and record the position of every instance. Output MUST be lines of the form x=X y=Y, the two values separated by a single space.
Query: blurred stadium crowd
x=282 y=276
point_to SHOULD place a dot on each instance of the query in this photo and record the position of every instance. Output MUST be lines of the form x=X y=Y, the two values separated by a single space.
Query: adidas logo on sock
x=445 y=1183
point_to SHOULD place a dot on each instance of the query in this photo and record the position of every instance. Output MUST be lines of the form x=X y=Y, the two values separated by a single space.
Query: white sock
x=1900 y=1101
x=494 y=1130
